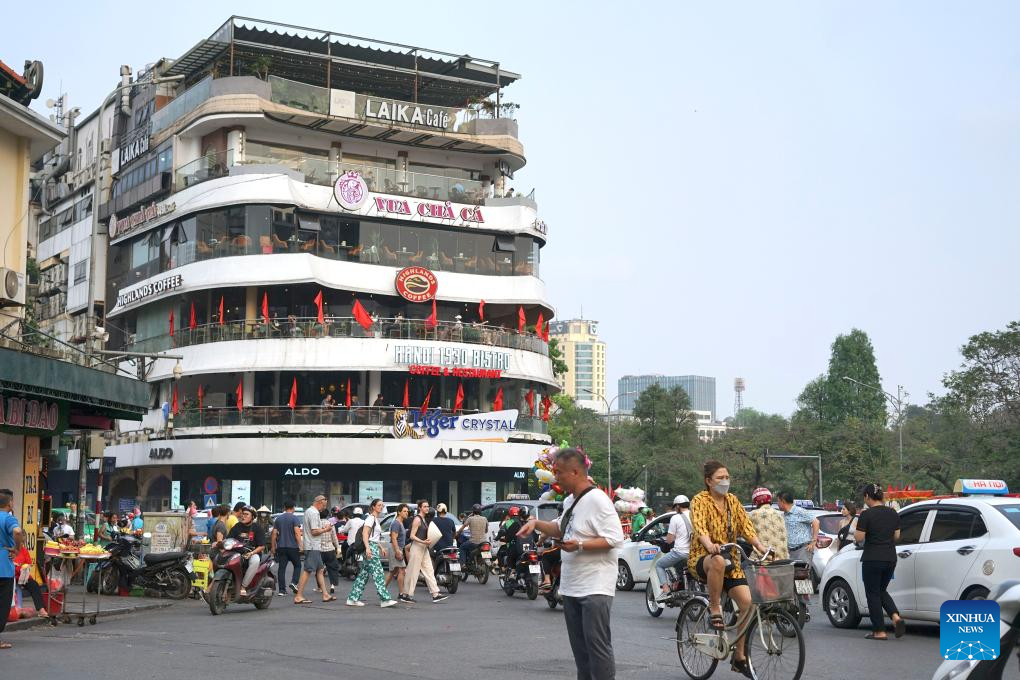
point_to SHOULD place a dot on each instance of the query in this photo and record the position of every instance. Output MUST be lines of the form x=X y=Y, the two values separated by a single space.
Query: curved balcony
x=344 y=327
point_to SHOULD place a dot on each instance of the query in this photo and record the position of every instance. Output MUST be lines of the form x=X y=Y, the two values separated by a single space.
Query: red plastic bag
x=12 y=613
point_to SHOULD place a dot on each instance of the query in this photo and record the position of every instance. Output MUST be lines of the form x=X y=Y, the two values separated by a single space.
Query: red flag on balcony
x=545 y=333
x=265 y=308
x=497 y=403
x=522 y=320
x=425 y=404
x=222 y=319
x=171 y=322
x=546 y=406
x=432 y=320
x=361 y=315
x=539 y=324
x=530 y=398
x=292 y=402
x=192 y=323
x=481 y=310
x=240 y=395
x=174 y=408
x=407 y=399
x=458 y=403
x=348 y=393
x=201 y=394
x=318 y=303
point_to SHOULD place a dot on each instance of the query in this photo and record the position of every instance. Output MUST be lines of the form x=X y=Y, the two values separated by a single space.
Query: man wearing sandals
x=718 y=517
x=591 y=535
x=312 y=531
x=11 y=540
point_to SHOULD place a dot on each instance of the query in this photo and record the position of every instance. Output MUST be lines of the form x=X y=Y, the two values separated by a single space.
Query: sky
x=727 y=186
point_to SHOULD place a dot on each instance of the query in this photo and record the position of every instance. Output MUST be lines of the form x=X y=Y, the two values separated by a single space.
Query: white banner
x=488 y=493
x=495 y=426
x=368 y=491
x=175 y=495
x=240 y=492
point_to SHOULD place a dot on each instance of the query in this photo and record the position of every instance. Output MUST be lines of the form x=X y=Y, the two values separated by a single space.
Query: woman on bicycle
x=718 y=518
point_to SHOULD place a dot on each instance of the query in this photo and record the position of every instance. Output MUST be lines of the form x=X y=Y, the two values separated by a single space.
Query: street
x=478 y=632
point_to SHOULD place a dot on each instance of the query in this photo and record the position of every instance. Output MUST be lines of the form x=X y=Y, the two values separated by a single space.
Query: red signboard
x=417 y=284
x=418 y=369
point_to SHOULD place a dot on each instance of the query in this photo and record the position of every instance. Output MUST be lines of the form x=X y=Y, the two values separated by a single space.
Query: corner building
x=337 y=226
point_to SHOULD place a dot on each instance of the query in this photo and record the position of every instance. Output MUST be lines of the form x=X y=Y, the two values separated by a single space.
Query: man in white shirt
x=590 y=534
x=353 y=525
x=679 y=533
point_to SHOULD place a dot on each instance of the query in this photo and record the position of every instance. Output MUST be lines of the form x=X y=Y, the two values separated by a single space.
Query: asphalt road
x=476 y=633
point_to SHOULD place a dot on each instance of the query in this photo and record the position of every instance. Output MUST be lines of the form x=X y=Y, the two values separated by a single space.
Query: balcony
x=213 y=165
x=344 y=327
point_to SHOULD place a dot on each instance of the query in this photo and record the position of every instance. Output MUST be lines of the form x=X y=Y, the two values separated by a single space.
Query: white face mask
x=722 y=488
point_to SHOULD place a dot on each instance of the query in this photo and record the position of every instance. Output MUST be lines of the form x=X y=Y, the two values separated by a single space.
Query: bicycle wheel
x=774 y=653
x=693 y=620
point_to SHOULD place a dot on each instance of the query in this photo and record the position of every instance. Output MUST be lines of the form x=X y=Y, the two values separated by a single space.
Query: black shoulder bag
x=565 y=519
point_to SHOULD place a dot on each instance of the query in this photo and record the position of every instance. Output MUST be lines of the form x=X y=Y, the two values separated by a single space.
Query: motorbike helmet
x=761 y=496
x=681 y=499
x=358 y=512
x=476 y=508
x=524 y=512
x=513 y=511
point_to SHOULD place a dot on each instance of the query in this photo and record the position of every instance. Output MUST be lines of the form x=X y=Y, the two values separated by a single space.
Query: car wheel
x=976 y=593
x=840 y=605
x=624 y=579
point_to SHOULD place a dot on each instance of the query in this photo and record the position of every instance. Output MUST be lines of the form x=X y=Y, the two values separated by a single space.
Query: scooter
x=681 y=586
x=478 y=563
x=1007 y=594
x=350 y=565
x=524 y=576
x=552 y=595
x=446 y=567
x=168 y=574
x=225 y=587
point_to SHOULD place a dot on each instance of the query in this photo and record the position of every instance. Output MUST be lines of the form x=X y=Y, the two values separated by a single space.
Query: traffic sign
x=210 y=485
x=210 y=500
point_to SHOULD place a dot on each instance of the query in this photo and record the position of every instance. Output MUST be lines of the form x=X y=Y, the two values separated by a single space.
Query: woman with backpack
x=369 y=541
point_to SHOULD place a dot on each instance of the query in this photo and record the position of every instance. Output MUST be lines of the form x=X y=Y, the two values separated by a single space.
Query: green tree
x=853 y=356
x=559 y=366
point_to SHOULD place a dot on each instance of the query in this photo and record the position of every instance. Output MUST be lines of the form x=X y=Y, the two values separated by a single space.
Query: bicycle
x=773 y=642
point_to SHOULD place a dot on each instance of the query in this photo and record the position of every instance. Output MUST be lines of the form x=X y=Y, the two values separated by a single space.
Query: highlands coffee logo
x=969 y=630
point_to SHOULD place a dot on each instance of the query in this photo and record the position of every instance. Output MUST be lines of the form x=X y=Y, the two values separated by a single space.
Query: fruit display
x=68 y=547
x=93 y=551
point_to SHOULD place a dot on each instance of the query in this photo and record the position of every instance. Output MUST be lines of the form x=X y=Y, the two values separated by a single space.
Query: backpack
x=359 y=538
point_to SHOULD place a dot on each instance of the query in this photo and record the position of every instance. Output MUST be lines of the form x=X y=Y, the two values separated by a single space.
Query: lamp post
x=609 y=434
x=897 y=403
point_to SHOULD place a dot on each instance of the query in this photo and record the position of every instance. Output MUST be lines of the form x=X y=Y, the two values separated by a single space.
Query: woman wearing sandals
x=879 y=528
x=717 y=518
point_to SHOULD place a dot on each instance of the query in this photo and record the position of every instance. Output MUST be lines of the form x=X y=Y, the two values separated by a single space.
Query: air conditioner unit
x=12 y=287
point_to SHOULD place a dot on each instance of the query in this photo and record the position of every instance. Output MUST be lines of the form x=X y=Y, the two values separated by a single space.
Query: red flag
x=546 y=406
x=174 y=408
x=265 y=308
x=348 y=393
x=545 y=333
x=522 y=321
x=539 y=324
x=171 y=322
x=481 y=310
x=221 y=311
x=425 y=405
x=192 y=324
x=240 y=395
x=407 y=399
x=318 y=303
x=292 y=402
x=201 y=393
x=361 y=315
x=458 y=403
x=431 y=321
x=530 y=398
x=497 y=403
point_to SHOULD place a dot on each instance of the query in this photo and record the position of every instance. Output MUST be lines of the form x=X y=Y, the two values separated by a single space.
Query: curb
x=25 y=624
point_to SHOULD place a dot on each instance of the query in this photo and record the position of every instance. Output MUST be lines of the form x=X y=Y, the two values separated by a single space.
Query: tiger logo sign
x=402 y=428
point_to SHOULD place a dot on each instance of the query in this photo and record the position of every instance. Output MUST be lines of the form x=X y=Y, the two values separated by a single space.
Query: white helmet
x=359 y=511
x=681 y=499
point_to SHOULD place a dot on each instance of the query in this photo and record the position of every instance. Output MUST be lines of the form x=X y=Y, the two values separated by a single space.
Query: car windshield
x=1011 y=512
x=829 y=524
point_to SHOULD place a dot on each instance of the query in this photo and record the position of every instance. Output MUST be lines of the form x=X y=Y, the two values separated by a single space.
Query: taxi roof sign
x=986 y=487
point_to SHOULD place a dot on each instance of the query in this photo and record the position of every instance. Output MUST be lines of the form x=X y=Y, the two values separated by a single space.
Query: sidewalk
x=110 y=605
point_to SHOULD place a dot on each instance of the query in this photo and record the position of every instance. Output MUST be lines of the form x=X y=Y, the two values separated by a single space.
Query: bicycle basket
x=770 y=582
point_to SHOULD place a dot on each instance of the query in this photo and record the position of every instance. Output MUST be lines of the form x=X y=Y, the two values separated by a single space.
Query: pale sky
x=728 y=186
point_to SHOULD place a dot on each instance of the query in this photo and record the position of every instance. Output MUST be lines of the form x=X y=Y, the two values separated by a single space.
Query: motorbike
x=478 y=563
x=228 y=569
x=682 y=586
x=350 y=565
x=1007 y=594
x=168 y=574
x=446 y=566
x=552 y=596
x=524 y=576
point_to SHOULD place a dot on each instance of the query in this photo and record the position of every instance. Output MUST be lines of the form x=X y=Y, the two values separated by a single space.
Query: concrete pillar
x=374 y=385
x=454 y=504
x=363 y=395
x=501 y=186
x=251 y=307
x=235 y=144
x=249 y=388
x=336 y=158
x=402 y=169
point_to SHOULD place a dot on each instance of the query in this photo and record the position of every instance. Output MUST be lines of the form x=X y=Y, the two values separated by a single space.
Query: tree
x=853 y=357
x=664 y=418
x=987 y=385
x=559 y=366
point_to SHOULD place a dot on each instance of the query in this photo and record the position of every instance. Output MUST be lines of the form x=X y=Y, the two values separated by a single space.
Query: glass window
x=911 y=524
x=139 y=252
x=953 y=525
x=166 y=159
x=79 y=271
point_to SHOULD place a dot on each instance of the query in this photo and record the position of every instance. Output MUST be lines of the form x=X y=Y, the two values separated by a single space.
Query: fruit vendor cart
x=64 y=562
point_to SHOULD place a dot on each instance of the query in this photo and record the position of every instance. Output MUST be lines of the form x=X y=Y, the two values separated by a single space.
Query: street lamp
x=897 y=403
x=609 y=433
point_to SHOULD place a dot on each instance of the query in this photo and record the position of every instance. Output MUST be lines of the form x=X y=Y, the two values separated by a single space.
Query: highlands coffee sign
x=145 y=290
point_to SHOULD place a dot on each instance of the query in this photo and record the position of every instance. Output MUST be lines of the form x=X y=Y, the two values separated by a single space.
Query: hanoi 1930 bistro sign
x=451 y=357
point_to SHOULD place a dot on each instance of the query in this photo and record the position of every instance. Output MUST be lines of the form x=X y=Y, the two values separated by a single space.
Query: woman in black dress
x=879 y=528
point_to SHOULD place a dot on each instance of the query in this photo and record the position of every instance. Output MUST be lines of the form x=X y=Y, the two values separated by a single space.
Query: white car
x=637 y=553
x=955 y=548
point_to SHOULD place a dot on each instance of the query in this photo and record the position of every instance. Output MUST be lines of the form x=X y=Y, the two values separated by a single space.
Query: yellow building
x=585 y=356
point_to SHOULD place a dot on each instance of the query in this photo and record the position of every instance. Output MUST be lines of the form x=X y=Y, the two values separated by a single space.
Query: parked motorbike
x=446 y=566
x=168 y=574
x=1007 y=594
x=229 y=568
x=524 y=576
x=478 y=563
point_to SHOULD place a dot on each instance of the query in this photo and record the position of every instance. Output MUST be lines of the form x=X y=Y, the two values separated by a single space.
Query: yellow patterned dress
x=720 y=526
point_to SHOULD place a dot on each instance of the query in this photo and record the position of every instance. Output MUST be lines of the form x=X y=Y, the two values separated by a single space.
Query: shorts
x=313 y=561
x=397 y=560
x=727 y=584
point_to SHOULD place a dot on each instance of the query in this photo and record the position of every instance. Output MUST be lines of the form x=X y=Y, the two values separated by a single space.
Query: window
x=955 y=525
x=80 y=270
x=911 y=524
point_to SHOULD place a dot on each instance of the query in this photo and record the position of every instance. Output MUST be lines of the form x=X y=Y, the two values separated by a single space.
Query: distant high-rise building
x=700 y=389
x=585 y=355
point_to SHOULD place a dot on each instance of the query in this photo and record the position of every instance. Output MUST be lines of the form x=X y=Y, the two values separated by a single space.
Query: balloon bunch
x=630 y=500
x=542 y=469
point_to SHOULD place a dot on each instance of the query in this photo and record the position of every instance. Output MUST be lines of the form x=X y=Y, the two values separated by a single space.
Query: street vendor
x=640 y=519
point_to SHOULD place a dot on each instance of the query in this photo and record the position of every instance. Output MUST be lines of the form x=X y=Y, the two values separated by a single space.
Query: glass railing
x=185 y=102
x=267 y=416
x=210 y=166
x=344 y=327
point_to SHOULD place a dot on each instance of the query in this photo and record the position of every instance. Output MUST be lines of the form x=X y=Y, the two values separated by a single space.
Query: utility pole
x=897 y=404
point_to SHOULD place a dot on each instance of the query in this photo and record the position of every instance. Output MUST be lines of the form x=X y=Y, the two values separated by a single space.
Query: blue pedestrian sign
x=210 y=500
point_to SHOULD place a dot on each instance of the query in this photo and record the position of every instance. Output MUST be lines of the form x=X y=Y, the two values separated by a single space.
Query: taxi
x=638 y=553
x=951 y=548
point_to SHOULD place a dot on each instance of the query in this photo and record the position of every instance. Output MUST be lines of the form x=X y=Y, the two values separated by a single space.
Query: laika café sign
x=29 y=414
x=451 y=357
x=394 y=111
